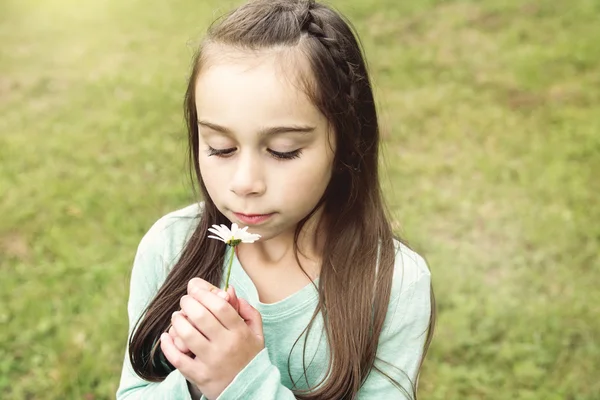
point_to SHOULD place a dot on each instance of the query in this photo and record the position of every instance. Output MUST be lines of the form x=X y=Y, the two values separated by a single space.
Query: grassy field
x=491 y=116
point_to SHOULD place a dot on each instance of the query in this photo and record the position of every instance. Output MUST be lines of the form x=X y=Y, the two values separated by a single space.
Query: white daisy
x=233 y=236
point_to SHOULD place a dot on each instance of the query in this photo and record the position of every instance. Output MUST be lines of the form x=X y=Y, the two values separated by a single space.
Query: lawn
x=491 y=117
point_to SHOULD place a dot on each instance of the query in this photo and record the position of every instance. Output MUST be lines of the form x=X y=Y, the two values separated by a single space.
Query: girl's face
x=265 y=152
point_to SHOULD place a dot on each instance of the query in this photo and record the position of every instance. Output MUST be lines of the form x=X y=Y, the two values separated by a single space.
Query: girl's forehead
x=285 y=63
x=253 y=84
x=216 y=53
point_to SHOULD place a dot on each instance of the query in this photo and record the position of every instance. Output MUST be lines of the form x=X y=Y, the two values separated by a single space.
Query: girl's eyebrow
x=263 y=132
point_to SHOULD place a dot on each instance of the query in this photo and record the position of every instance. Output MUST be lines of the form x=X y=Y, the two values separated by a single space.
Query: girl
x=283 y=138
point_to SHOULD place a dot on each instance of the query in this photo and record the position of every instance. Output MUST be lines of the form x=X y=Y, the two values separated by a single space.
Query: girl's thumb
x=233 y=299
x=251 y=316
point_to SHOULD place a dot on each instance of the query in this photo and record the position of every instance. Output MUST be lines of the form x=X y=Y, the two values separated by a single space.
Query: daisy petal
x=220 y=229
x=225 y=231
x=250 y=238
x=215 y=237
x=216 y=233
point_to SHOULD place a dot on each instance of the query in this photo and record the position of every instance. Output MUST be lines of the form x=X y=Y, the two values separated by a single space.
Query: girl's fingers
x=196 y=284
x=172 y=332
x=220 y=308
x=202 y=318
x=191 y=337
x=179 y=360
x=181 y=346
x=233 y=299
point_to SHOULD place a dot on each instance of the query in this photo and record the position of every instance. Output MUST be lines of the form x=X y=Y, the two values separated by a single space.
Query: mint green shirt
x=266 y=376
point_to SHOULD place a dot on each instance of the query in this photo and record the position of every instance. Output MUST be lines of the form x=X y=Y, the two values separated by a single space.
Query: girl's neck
x=278 y=252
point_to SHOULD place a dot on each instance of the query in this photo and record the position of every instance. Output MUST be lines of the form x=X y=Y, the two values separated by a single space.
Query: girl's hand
x=201 y=284
x=223 y=340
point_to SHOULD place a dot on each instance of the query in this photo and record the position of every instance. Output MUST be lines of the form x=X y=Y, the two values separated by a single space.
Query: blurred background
x=490 y=113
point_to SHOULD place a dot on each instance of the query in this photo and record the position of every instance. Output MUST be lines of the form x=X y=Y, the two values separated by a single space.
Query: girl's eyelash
x=289 y=155
x=220 y=152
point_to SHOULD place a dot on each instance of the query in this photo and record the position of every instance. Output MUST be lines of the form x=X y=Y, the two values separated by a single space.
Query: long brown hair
x=357 y=224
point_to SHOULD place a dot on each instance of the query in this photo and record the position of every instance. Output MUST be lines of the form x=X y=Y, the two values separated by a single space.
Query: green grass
x=492 y=142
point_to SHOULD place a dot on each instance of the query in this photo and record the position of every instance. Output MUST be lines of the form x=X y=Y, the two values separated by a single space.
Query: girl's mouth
x=252 y=219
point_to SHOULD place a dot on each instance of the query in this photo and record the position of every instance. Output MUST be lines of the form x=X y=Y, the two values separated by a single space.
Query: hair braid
x=348 y=83
x=333 y=41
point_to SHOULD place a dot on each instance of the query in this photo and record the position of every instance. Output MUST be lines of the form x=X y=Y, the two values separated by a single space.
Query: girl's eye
x=220 y=152
x=287 y=155
x=276 y=154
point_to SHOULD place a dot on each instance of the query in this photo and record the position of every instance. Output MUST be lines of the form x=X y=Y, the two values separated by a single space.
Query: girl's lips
x=253 y=219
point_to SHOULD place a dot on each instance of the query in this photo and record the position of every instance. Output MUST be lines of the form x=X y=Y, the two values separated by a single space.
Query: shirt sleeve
x=259 y=380
x=145 y=280
x=401 y=347
x=402 y=341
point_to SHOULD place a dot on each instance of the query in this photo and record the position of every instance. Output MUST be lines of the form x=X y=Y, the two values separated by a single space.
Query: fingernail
x=174 y=314
x=223 y=295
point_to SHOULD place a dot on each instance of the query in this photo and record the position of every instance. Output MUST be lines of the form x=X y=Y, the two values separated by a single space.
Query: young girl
x=284 y=139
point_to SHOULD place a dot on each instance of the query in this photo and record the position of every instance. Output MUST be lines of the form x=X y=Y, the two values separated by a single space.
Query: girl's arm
x=146 y=277
x=259 y=380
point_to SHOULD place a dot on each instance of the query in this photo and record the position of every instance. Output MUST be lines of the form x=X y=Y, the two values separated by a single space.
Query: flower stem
x=229 y=268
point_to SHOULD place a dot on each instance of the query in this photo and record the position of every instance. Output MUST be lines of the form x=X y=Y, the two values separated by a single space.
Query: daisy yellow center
x=234 y=242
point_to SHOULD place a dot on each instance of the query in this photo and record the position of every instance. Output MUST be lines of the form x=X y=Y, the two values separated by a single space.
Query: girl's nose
x=248 y=179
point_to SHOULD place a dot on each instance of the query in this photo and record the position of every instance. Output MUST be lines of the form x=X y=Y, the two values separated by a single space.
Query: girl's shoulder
x=170 y=232
x=181 y=218
x=410 y=269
